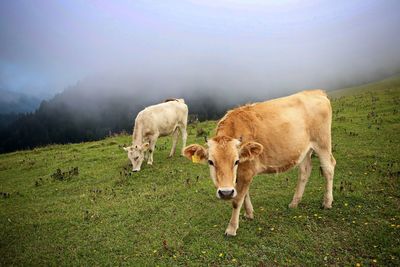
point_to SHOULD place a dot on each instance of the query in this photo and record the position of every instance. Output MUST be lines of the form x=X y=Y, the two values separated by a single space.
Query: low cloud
x=231 y=49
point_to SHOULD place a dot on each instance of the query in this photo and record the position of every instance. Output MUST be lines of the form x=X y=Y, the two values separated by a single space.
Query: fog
x=236 y=50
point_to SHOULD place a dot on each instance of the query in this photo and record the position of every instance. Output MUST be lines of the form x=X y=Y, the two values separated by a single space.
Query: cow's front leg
x=237 y=203
x=146 y=155
x=151 y=151
x=150 y=158
x=248 y=206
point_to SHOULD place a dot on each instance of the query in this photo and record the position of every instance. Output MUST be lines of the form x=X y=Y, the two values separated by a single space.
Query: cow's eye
x=236 y=162
x=211 y=162
x=135 y=158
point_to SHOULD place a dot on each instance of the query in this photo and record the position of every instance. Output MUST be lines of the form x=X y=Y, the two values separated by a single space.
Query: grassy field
x=94 y=211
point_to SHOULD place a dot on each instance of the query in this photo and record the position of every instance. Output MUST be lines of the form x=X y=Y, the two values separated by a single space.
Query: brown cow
x=268 y=137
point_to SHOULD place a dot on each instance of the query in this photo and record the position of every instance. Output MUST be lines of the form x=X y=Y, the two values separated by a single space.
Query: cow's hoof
x=149 y=163
x=230 y=231
x=327 y=203
x=326 y=206
x=293 y=205
x=249 y=216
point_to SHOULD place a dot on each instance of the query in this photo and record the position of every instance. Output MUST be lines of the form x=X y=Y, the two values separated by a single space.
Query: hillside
x=392 y=83
x=96 y=212
x=13 y=102
x=90 y=112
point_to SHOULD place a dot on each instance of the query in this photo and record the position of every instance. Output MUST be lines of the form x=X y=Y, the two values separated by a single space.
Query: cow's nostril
x=226 y=193
x=220 y=193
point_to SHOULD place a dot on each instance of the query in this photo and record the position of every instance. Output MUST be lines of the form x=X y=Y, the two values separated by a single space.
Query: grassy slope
x=392 y=82
x=168 y=214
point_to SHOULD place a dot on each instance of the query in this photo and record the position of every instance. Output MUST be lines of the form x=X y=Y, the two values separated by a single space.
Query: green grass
x=167 y=214
x=389 y=83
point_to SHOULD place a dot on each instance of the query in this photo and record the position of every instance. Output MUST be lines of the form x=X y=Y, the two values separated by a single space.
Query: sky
x=257 y=47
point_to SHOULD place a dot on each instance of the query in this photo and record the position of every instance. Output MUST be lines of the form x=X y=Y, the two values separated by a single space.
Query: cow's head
x=136 y=155
x=223 y=156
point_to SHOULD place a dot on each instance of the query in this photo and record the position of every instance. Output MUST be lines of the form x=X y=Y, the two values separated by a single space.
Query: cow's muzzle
x=226 y=192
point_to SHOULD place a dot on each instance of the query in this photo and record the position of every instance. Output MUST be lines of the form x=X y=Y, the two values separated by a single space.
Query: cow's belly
x=281 y=162
x=166 y=131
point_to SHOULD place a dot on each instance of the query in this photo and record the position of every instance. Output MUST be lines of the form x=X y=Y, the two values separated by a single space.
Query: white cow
x=154 y=121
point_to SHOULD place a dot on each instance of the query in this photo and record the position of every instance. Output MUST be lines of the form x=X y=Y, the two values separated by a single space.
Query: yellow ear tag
x=195 y=159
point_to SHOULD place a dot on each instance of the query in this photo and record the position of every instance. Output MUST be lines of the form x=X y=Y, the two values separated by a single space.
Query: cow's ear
x=145 y=146
x=196 y=153
x=250 y=150
x=127 y=148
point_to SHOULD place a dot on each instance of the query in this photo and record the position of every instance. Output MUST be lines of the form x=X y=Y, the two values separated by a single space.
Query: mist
x=96 y=64
x=234 y=50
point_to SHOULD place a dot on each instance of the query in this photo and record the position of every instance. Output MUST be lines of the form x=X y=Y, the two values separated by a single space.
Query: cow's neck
x=137 y=136
x=226 y=128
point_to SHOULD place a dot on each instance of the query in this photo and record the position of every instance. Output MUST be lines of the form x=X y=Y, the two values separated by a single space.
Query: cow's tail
x=180 y=100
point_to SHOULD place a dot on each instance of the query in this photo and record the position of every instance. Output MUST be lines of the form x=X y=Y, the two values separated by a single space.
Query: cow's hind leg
x=184 y=137
x=248 y=207
x=328 y=164
x=175 y=136
x=305 y=168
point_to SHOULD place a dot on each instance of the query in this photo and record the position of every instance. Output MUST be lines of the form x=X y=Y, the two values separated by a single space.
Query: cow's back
x=163 y=118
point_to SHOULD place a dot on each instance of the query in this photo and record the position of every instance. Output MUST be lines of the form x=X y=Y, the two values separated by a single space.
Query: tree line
x=71 y=117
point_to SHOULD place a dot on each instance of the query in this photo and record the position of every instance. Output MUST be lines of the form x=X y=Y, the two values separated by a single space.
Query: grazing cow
x=154 y=121
x=268 y=137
